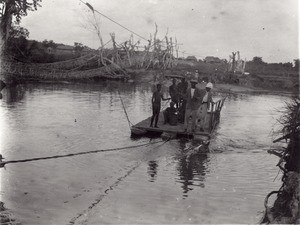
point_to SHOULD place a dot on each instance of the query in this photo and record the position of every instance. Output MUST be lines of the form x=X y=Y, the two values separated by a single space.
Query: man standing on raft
x=194 y=98
x=156 y=100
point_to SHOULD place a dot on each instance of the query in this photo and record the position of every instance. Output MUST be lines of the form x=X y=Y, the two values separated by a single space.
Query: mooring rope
x=129 y=123
x=2 y=164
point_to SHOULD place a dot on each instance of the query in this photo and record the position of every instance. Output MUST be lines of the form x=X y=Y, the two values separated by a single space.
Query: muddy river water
x=155 y=184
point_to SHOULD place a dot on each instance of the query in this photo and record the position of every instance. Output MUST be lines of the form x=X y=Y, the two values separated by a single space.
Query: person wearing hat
x=206 y=101
x=194 y=98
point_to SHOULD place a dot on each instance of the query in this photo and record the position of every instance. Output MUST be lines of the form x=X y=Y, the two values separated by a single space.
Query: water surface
x=154 y=184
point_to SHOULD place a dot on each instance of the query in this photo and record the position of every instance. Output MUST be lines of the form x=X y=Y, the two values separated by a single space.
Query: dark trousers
x=155 y=113
x=166 y=117
x=182 y=109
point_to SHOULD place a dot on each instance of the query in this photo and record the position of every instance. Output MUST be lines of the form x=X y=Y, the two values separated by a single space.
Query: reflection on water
x=14 y=94
x=191 y=169
x=152 y=170
x=170 y=182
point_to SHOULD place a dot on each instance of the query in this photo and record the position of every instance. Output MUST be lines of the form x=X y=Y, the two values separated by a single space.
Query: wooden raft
x=169 y=131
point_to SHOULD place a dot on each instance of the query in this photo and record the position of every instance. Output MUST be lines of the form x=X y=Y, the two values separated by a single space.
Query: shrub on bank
x=286 y=208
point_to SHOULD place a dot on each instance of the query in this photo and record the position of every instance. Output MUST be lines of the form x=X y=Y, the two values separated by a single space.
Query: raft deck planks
x=167 y=128
x=213 y=117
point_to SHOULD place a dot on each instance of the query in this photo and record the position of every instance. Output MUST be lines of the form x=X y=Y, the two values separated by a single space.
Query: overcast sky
x=265 y=28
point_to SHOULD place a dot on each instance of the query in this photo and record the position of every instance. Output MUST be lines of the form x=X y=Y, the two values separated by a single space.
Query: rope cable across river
x=3 y=163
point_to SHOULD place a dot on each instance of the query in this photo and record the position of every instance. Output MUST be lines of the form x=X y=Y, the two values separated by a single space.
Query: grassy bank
x=286 y=208
x=6 y=217
x=85 y=69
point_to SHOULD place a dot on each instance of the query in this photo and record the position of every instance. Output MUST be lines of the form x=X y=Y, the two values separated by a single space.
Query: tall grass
x=286 y=207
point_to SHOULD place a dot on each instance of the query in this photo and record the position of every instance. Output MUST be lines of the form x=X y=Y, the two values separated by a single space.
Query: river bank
x=233 y=88
x=13 y=73
x=286 y=208
x=142 y=77
x=7 y=217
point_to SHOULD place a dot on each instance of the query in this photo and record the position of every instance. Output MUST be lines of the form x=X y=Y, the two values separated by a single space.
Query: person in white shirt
x=206 y=101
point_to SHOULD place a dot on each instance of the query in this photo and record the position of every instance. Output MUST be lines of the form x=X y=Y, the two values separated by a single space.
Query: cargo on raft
x=168 y=131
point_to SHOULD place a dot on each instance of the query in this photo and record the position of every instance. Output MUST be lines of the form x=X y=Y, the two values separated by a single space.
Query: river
x=155 y=184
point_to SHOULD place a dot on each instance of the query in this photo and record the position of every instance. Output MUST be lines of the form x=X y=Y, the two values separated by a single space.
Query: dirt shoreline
x=218 y=87
x=7 y=217
x=230 y=88
x=286 y=208
x=140 y=76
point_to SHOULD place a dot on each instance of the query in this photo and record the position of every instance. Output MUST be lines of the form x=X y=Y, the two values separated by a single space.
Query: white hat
x=209 y=85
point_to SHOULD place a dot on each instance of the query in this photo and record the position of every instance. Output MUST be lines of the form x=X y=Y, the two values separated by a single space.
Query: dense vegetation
x=286 y=208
